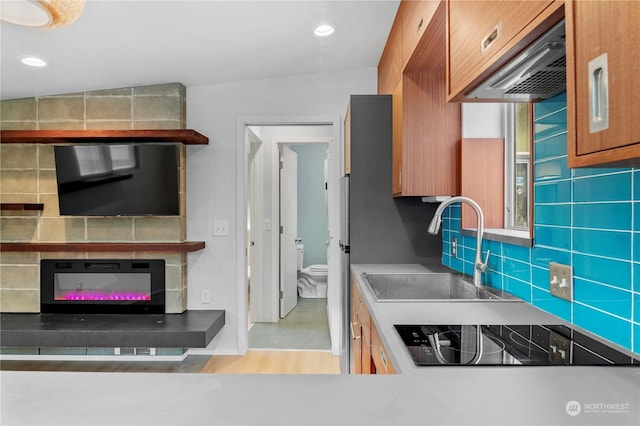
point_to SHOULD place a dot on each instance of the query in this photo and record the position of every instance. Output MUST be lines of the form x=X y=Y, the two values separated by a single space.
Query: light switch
x=220 y=228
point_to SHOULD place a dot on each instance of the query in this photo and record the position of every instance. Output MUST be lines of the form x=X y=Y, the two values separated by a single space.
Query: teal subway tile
x=517 y=288
x=602 y=216
x=452 y=211
x=520 y=253
x=636 y=338
x=636 y=185
x=550 y=105
x=495 y=262
x=553 y=169
x=636 y=216
x=604 y=298
x=603 y=243
x=597 y=171
x=456 y=263
x=552 y=304
x=446 y=260
x=519 y=270
x=615 y=187
x=467 y=267
x=613 y=272
x=540 y=278
x=558 y=237
x=607 y=326
x=636 y=279
x=554 y=146
x=494 y=280
x=558 y=215
x=552 y=192
x=550 y=124
x=541 y=256
x=494 y=246
x=636 y=309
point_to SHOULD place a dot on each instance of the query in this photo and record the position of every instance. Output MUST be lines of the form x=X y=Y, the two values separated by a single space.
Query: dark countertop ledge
x=191 y=329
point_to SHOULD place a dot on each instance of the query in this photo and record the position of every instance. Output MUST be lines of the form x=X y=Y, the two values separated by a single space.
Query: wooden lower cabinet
x=368 y=355
x=380 y=356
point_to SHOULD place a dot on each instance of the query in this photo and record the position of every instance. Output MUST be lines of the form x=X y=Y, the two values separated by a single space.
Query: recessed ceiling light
x=33 y=61
x=324 y=30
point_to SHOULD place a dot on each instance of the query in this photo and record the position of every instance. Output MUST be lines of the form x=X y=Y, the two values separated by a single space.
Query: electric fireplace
x=104 y=286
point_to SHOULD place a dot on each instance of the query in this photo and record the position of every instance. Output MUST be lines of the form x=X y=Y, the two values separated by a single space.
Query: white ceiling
x=131 y=43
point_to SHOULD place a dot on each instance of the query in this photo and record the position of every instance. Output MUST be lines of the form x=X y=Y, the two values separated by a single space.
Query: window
x=518 y=139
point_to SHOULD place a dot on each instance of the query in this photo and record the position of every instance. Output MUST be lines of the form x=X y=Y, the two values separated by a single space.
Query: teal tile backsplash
x=587 y=218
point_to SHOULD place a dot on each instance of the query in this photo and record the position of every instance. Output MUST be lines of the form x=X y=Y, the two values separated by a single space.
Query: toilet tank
x=300 y=248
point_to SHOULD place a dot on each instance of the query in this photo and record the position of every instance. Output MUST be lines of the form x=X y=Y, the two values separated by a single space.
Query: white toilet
x=312 y=280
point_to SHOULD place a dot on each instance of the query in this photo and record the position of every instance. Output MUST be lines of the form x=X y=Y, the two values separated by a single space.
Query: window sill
x=509 y=236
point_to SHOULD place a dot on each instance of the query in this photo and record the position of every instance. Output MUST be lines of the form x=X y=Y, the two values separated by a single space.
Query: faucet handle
x=483 y=266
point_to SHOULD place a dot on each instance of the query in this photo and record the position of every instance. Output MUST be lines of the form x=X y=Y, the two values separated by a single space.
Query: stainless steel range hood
x=538 y=72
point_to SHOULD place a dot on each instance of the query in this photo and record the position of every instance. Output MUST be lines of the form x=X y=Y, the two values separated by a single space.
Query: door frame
x=242 y=164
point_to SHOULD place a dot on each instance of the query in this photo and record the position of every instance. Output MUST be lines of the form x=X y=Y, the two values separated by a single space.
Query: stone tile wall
x=27 y=175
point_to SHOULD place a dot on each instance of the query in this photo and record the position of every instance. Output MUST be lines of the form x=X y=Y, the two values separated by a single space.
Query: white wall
x=482 y=120
x=211 y=173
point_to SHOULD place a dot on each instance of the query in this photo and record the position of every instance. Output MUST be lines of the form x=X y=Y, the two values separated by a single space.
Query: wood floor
x=254 y=362
x=275 y=362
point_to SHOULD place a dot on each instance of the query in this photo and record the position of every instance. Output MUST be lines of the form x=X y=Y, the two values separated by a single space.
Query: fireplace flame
x=98 y=295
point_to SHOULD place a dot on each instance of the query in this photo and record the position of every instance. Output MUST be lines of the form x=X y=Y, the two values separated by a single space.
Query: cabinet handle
x=491 y=37
x=598 y=94
x=383 y=358
x=420 y=24
x=353 y=334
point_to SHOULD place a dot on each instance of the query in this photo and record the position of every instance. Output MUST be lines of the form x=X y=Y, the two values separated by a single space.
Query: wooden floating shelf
x=178 y=247
x=21 y=206
x=185 y=136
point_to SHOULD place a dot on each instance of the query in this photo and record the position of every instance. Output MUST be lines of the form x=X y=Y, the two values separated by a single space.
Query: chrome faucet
x=479 y=266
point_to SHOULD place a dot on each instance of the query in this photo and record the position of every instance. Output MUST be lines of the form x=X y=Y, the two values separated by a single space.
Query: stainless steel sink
x=430 y=286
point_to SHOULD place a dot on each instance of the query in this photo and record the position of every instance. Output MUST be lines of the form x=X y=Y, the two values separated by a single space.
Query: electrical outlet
x=454 y=247
x=561 y=281
x=205 y=296
x=220 y=228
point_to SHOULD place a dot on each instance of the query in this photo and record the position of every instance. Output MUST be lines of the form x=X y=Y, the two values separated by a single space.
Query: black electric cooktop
x=524 y=345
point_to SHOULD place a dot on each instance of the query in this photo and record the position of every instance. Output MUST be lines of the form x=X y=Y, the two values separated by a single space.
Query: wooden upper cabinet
x=430 y=141
x=483 y=35
x=415 y=16
x=603 y=52
x=426 y=130
x=390 y=65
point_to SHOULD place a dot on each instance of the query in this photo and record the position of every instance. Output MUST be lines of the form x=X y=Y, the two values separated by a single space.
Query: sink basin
x=430 y=286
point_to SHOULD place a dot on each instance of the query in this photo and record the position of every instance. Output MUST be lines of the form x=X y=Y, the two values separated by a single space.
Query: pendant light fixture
x=41 y=13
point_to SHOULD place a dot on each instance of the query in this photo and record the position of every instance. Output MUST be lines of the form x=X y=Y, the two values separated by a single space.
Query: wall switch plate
x=561 y=280
x=205 y=296
x=454 y=247
x=220 y=228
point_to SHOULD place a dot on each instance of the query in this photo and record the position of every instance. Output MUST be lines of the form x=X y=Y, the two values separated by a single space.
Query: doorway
x=265 y=215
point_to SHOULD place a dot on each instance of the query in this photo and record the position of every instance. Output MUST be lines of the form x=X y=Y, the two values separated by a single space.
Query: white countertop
x=427 y=396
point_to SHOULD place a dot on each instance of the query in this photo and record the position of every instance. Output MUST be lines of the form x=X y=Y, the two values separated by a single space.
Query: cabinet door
x=356 y=332
x=481 y=32
x=430 y=137
x=416 y=16
x=380 y=355
x=602 y=35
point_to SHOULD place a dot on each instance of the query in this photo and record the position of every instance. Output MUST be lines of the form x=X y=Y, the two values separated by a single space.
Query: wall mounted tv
x=118 y=180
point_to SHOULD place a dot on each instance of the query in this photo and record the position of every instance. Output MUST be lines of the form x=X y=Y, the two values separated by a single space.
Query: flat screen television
x=118 y=180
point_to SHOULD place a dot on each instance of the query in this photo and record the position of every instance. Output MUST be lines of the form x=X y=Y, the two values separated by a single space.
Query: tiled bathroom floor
x=306 y=327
